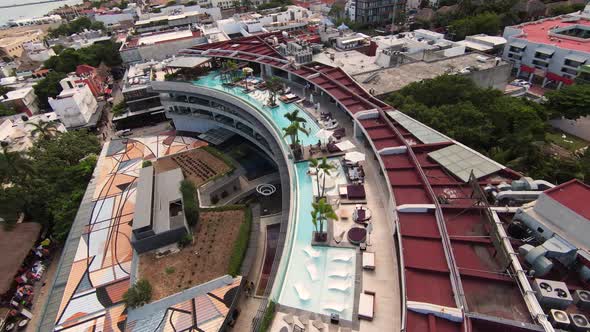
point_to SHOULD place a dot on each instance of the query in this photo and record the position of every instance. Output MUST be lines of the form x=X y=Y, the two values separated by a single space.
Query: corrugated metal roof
x=460 y=161
x=424 y=133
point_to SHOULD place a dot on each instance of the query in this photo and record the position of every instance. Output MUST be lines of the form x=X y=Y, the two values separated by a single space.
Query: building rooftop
x=352 y=62
x=387 y=80
x=15 y=246
x=574 y=195
x=16 y=94
x=160 y=37
x=552 y=32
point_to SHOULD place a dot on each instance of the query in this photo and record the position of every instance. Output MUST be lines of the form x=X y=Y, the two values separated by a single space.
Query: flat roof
x=17 y=94
x=166 y=191
x=143 y=201
x=392 y=79
x=461 y=162
x=538 y=32
x=352 y=62
x=424 y=133
x=15 y=246
x=573 y=194
x=188 y=62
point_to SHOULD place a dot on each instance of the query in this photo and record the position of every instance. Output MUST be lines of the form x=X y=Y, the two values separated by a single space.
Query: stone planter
x=319 y=239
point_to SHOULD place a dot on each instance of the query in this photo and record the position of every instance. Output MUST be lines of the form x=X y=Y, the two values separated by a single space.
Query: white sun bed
x=342 y=258
x=311 y=252
x=340 y=285
x=302 y=292
x=367 y=305
x=338 y=307
x=338 y=273
x=368 y=260
x=312 y=270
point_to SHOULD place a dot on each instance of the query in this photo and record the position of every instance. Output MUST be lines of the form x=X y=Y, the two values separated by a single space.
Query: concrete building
x=549 y=51
x=484 y=43
x=17 y=130
x=79 y=40
x=12 y=45
x=486 y=71
x=159 y=45
x=116 y=20
x=38 y=51
x=21 y=100
x=35 y=20
x=180 y=16
x=159 y=216
x=376 y=12
x=75 y=106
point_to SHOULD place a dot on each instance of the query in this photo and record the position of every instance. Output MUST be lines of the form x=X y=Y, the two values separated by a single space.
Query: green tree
x=48 y=87
x=322 y=211
x=119 y=108
x=139 y=294
x=566 y=9
x=488 y=23
x=44 y=129
x=189 y=201
x=5 y=111
x=571 y=102
x=274 y=86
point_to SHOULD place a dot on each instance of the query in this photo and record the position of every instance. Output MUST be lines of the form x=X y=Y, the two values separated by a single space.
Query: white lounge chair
x=368 y=260
x=302 y=292
x=342 y=258
x=367 y=305
x=340 y=285
x=338 y=307
x=311 y=252
x=312 y=270
x=338 y=273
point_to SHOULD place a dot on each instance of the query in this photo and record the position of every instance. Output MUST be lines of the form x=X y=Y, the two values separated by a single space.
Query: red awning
x=527 y=69
x=558 y=78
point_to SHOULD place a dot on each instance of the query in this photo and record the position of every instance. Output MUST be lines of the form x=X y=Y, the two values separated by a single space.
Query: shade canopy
x=354 y=156
x=324 y=134
x=345 y=145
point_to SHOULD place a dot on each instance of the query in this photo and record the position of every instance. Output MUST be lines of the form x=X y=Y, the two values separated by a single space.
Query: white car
x=519 y=82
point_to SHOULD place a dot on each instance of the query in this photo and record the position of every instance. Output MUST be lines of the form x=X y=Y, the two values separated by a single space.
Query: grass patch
x=170 y=270
x=221 y=156
x=190 y=202
x=241 y=244
x=269 y=315
x=570 y=142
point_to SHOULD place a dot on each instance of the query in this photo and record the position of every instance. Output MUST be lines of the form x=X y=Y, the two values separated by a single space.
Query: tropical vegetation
x=510 y=130
x=75 y=26
x=44 y=129
x=241 y=244
x=273 y=85
x=322 y=211
x=296 y=126
x=189 y=201
x=47 y=182
x=321 y=167
x=139 y=294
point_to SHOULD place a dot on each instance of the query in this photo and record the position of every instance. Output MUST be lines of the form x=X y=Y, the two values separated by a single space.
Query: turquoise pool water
x=258 y=99
x=325 y=274
x=318 y=279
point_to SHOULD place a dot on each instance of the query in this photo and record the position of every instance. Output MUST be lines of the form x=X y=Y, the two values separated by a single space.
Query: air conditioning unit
x=552 y=294
x=559 y=319
x=579 y=323
x=582 y=299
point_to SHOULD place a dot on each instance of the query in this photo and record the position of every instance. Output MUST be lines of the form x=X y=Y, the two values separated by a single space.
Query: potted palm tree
x=293 y=132
x=322 y=211
x=274 y=86
x=324 y=167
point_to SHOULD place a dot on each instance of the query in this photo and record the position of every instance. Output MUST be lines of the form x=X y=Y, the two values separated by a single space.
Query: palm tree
x=315 y=163
x=45 y=129
x=326 y=167
x=322 y=211
x=12 y=164
x=231 y=67
x=293 y=132
x=274 y=86
x=294 y=116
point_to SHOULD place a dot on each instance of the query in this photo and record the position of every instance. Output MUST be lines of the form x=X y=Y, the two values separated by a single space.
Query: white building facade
x=75 y=105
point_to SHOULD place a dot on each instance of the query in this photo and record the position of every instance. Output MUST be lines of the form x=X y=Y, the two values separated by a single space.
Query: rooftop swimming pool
x=318 y=279
x=258 y=99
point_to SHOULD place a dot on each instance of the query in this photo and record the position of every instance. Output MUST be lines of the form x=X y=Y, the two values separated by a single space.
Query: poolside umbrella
x=354 y=156
x=345 y=145
x=324 y=134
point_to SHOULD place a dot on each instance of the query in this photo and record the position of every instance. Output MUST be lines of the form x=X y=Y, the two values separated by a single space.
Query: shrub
x=189 y=199
x=185 y=240
x=170 y=270
x=139 y=294
x=241 y=244
x=146 y=163
x=269 y=314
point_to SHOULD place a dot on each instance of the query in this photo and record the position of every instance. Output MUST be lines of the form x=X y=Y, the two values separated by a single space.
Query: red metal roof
x=574 y=195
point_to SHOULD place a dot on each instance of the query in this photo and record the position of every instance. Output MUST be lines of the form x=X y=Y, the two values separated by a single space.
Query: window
x=540 y=230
